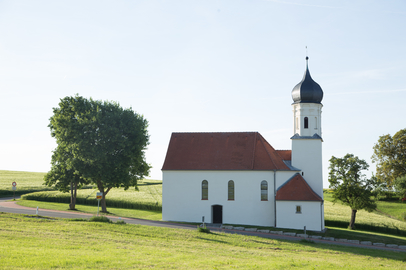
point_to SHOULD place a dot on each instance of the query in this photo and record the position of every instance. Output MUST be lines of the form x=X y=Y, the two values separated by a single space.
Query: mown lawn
x=31 y=243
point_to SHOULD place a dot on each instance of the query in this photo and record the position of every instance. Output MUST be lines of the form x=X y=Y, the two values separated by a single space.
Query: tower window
x=264 y=190
x=306 y=122
x=205 y=190
x=231 y=190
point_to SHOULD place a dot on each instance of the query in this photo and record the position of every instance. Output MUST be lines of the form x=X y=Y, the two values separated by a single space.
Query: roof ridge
x=217 y=132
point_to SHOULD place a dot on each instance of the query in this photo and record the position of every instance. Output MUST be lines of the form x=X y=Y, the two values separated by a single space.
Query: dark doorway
x=217 y=212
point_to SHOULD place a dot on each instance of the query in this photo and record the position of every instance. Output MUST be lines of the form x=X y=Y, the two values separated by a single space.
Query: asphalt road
x=8 y=206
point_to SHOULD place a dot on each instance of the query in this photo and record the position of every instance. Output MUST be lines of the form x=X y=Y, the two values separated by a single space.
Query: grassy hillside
x=26 y=182
x=30 y=243
x=340 y=212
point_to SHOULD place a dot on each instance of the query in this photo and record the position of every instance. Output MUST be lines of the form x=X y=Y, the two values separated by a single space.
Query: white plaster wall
x=310 y=110
x=307 y=156
x=181 y=196
x=311 y=215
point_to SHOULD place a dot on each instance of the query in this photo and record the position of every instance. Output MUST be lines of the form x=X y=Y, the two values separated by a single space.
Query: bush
x=120 y=221
x=100 y=219
x=203 y=229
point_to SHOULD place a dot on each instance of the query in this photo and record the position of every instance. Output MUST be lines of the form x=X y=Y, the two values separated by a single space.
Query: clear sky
x=202 y=66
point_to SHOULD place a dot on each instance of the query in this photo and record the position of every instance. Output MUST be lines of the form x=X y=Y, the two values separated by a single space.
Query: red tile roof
x=296 y=189
x=285 y=154
x=221 y=151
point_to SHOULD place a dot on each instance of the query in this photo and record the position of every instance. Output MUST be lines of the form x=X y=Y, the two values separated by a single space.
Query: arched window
x=306 y=122
x=231 y=190
x=264 y=191
x=205 y=190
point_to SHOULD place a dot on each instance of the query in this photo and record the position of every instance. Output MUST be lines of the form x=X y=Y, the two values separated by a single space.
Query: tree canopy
x=390 y=157
x=102 y=142
x=349 y=185
x=400 y=186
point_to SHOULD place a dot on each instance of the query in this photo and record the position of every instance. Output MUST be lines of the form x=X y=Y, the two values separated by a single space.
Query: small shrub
x=100 y=219
x=203 y=229
x=120 y=221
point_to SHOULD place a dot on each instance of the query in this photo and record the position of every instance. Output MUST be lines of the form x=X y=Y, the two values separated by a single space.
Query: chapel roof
x=221 y=151
x=285 y=154
x=296 y=189
x=307 y=91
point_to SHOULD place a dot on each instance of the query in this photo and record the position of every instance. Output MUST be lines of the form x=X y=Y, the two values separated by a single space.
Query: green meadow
x=26 y=182
x=35 y=243
x=130 y=204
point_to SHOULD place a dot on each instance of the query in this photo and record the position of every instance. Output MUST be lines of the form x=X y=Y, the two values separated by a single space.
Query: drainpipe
x=274 y=194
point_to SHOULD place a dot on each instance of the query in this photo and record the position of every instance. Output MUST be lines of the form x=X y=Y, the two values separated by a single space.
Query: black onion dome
x=307 y=91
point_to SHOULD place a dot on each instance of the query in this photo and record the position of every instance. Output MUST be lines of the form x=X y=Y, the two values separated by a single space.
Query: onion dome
x=307 y=91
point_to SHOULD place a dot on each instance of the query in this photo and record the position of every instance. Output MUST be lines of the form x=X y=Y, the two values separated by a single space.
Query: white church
x=239 y=178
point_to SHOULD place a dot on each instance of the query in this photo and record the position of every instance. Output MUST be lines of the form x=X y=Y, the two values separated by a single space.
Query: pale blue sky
x=207 y=66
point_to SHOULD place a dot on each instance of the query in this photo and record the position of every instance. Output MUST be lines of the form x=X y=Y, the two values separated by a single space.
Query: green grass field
x=150 y=192
x=26 y=182
x=31 y=243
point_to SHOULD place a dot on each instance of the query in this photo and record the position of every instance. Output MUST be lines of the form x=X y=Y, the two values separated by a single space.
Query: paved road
x=11 y=207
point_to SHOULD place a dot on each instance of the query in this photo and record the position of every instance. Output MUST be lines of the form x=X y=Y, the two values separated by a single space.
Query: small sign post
x=99 y=196
x=14 y=189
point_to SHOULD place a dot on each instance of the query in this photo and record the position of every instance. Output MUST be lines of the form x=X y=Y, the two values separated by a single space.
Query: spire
x=307 y=91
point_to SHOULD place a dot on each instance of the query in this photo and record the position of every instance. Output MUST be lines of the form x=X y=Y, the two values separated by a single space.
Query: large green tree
x=349 y=185
x=104 y=143
x=390 y=157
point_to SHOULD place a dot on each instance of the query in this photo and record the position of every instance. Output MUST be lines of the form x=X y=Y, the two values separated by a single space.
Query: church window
x=231 y=190
x=205 y=190
x=264 y=191
x=298 y=209
x=306 y=122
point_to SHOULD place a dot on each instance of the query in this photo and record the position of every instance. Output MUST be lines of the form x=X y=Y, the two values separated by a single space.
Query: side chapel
x=239 y=178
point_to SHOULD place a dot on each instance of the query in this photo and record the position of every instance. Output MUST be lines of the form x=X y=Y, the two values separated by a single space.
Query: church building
x=239 y=178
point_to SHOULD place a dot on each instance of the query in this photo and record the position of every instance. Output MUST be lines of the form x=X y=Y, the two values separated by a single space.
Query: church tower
x=307 y=141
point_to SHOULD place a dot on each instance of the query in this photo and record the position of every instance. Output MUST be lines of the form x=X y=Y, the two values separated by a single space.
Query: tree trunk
x=103 y=200
x=352 y=222
x=73 y=188
x=103 y=203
